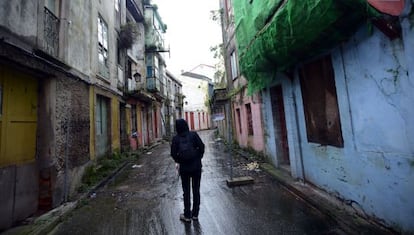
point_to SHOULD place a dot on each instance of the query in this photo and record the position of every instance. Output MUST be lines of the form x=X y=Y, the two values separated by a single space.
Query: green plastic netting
x=274 y=35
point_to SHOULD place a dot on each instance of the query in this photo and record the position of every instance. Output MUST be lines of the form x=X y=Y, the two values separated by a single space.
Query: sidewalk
x=350 y=219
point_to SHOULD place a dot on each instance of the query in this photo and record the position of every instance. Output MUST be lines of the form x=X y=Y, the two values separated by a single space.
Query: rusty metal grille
x=51 y=32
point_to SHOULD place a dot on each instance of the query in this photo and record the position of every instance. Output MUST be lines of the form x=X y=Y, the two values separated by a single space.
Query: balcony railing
x=51 y=33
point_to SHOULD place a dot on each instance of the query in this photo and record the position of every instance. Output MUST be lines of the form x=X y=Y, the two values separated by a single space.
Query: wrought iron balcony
x=51 y=33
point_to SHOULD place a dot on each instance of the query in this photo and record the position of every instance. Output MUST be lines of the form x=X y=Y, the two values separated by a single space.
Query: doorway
x=279 y=122
x=102 y=126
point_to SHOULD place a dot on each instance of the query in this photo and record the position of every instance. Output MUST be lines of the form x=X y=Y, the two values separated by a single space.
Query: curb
x=346 y=217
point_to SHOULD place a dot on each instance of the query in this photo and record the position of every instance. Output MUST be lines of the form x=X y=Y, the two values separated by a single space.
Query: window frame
x=103 y=51
x=249 y=117
x=239 y=120
x=320 y=102
x=233 y=65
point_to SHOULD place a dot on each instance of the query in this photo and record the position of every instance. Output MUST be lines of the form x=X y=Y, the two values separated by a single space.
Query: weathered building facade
x=44 y=105
x=336 y=105
x=244 y=109
x=173 y=105
x=197 y=89
x=72 y=74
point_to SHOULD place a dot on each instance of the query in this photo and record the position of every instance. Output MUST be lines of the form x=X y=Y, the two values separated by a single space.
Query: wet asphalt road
x=147 y=199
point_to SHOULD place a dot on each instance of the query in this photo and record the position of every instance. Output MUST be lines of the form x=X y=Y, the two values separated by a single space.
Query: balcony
x=155 y=29
x=153 y=84
x=51 y=33
x=135 y=11
x=154 y=40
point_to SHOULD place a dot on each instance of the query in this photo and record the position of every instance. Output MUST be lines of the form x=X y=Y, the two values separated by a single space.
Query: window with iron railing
x=51 y=32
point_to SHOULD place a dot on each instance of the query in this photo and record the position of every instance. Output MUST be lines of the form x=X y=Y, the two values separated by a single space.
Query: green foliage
x=220 y=74
x=273 y=36
x=128 y=35
x=101 y=169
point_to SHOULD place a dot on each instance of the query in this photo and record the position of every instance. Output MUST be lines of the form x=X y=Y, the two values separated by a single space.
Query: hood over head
x=181 y=126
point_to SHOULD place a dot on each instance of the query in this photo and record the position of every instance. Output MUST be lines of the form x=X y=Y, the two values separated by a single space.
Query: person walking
x=187 y=149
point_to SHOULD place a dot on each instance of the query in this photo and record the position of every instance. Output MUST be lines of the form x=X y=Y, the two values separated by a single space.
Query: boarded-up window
x=320 y=102
x=249 y=119
x=239 y=120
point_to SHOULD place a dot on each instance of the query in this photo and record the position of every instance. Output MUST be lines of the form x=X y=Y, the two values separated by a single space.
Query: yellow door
x=18 y=117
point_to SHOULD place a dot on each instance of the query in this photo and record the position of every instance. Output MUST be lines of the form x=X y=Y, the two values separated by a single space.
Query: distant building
x=174 y=104
x=197 y=91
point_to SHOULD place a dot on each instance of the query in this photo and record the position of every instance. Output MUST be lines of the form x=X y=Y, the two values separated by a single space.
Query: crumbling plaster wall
x=375 y=169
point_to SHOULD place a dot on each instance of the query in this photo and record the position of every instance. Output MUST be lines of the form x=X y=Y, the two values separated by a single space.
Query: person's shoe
x=195 y=218
x=185 y=219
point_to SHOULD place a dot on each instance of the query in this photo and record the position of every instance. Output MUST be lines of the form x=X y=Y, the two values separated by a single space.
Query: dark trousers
x=194 y=178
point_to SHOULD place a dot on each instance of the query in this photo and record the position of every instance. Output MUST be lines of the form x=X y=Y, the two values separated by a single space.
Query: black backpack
x=186 y=149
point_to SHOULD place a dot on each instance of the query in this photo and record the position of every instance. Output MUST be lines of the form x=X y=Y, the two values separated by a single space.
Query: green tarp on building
x=273 y=35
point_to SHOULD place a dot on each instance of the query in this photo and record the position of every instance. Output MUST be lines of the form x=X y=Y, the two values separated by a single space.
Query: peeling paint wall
x=375 y=87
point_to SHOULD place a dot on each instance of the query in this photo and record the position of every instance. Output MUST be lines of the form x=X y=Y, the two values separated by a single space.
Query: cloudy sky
x=190 y=32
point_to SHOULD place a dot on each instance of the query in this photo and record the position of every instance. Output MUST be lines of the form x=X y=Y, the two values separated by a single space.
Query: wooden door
x=279 y=122
x=102 y=126
x=18 y=117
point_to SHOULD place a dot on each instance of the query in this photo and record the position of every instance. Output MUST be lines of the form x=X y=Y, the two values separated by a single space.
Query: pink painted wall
x=255 y=141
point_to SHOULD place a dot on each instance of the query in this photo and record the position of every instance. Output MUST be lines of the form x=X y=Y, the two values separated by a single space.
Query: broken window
x=239 y=120
x=320 y=103
x=249 y=119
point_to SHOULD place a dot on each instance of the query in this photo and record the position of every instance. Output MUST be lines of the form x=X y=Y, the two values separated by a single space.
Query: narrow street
x=146 y=198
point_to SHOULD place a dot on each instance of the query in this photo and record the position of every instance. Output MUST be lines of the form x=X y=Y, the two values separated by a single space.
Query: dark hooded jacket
x=182 y=130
